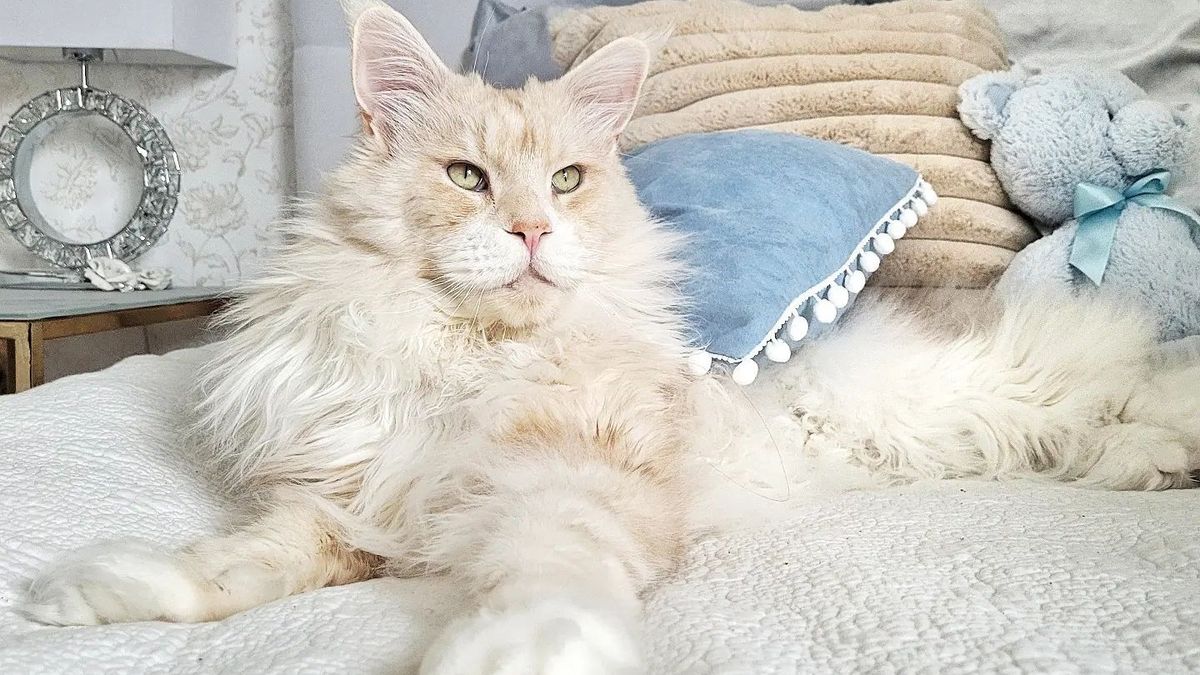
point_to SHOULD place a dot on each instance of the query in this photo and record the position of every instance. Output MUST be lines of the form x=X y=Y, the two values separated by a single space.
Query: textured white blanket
x=952 y=577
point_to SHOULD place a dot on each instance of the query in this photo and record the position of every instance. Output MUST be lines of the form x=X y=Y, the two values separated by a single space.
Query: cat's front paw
x=551 y=637
x=112 y=583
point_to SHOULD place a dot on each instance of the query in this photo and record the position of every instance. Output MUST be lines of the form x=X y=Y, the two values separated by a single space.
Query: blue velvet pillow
x=783 y=231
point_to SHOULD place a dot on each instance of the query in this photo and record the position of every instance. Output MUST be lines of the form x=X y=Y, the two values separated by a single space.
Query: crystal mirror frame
x=160 y=174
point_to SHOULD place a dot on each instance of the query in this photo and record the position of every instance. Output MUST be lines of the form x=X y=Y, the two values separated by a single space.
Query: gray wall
x=322 y=93
x=446 y=24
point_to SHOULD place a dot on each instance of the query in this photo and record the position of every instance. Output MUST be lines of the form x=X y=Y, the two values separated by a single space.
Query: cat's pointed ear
x=396 y=72
x=606 y=85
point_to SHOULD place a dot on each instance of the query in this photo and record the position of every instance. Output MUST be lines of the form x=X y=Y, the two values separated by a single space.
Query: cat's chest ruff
x=562 y=367
x=540 y=362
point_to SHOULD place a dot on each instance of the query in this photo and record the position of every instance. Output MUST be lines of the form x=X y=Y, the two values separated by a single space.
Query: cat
x=468 y=359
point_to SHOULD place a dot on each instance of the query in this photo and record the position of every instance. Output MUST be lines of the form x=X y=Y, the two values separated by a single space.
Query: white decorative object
x=158 y=279
x=839 y=296
x=778 y=351
x=699 y=362
x=883 y=243
x=856 y=281
x=927 y=194
x=745 y=372
x=110 y=274
x=824 y=311
x=797 y=328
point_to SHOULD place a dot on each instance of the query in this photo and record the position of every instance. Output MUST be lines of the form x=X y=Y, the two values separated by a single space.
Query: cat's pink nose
x=531 y=232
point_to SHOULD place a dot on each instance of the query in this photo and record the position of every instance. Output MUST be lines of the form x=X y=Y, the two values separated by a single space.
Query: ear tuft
x=395 y=70
x=605 y=87
x=982 y=100
x=354 y=9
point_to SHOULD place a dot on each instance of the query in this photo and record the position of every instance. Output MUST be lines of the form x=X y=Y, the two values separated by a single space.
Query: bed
x=963 y=576
x=945 y=577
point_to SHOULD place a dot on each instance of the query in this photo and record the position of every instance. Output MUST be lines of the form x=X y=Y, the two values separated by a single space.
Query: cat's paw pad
x=112 y=583
x=549 y=638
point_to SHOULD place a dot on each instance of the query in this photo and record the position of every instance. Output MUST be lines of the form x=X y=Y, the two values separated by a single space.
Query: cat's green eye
x=566 y=179
x=467 y=176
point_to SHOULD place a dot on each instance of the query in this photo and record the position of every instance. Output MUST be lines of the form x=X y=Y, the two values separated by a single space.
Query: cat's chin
x=530 y=281
x=529 y=300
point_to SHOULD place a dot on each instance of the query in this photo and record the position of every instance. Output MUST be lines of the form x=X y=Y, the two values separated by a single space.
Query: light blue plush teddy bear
x=1085 y=154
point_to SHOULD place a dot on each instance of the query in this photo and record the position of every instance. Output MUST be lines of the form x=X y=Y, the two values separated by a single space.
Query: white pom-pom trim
x=745 y=372
x=797 y=328
x=856 y=281
x=927 y=194
x=824 y=311
x=836 y=288
x=778 y=351
x=883 y=244
x=840 y=297
x=700 y=362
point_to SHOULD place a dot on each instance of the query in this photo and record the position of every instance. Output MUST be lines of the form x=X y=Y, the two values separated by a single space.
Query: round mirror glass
x=78 y=177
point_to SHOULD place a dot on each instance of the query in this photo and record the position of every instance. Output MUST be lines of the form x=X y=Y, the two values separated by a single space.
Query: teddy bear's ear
x=981 y=100
x=1113 y=86
x=1147 y=135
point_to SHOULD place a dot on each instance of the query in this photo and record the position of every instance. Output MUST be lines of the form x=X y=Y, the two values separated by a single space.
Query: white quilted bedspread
x=951 y=577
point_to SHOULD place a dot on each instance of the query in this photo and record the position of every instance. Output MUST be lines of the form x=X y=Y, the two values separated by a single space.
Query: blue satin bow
x=1097 y=209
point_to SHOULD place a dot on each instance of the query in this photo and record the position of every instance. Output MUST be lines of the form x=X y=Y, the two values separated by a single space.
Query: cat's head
x=506 y=201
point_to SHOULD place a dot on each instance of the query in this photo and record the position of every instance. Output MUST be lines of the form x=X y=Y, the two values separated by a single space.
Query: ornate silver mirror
x=134 y=143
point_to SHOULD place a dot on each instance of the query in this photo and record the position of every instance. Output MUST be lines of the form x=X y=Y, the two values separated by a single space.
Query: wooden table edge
x=27 y=335
x=114 y=319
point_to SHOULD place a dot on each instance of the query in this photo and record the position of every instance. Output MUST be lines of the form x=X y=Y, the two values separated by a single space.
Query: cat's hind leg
x=287 y=549
x=1157 y=444
x=1139 y=456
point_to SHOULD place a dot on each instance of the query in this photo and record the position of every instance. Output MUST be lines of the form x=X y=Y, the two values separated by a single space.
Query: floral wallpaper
x=231 y=128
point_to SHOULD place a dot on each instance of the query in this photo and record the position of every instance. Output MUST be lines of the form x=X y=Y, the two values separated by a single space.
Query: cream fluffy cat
x=467 y=359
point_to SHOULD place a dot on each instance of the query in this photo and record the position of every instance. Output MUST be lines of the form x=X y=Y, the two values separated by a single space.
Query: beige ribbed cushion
x=880 y=77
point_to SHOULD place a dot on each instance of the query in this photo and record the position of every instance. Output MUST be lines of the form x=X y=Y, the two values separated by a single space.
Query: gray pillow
x=510 y=41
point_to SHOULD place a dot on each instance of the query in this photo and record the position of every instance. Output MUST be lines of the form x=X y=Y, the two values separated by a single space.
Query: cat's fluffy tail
x=1052 y=384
